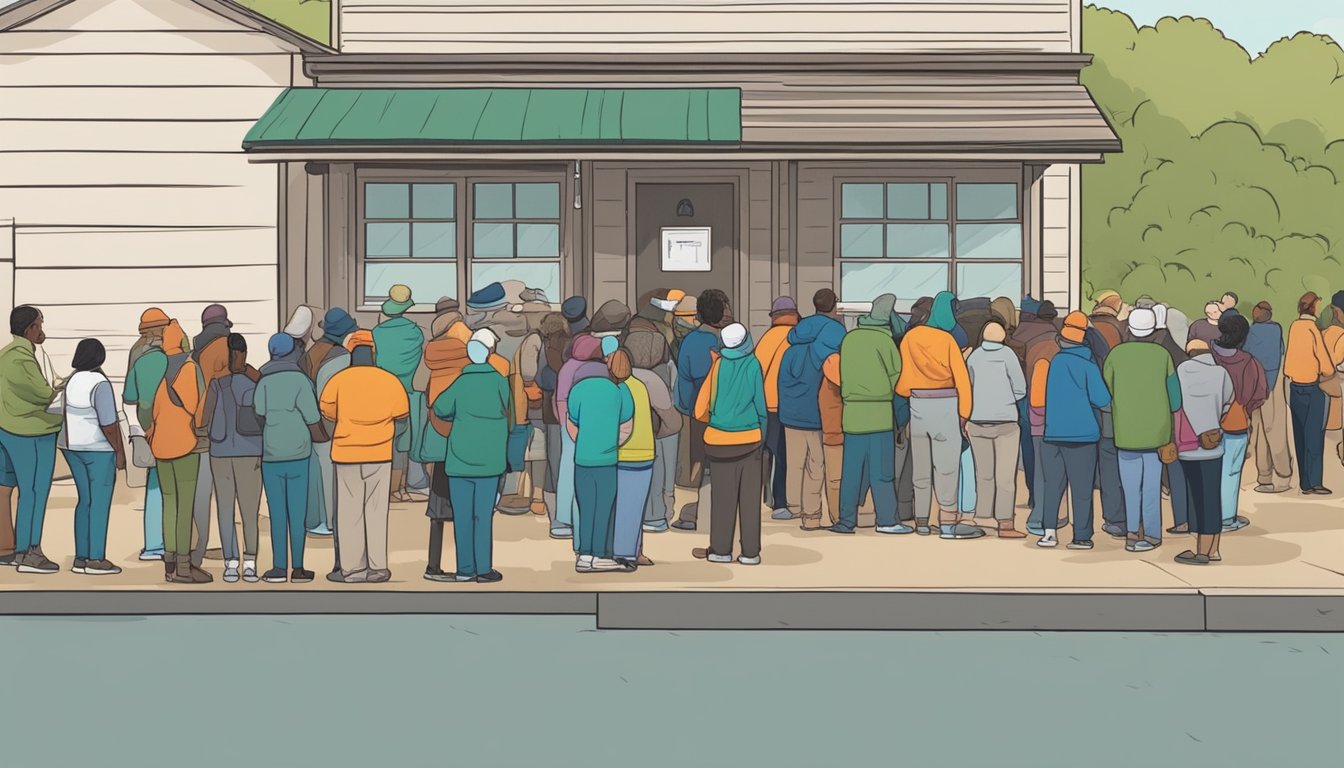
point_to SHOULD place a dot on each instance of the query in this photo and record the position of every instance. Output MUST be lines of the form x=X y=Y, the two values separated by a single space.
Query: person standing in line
x=1307 y=363
x=210 y=353
x=831 y=404
x=600 y=416
x=554 y=343
x=935 y=379
x=173 y=440
x=144 y=370
x=770 y=353
x=1205 y=329
x=1074 y=394
x=1031 y=327
x=1269 y=424
x=732 y=406
x=445 y=359
x=814 y=339
x=648 y=354
x=287 y=406
x=634 y=466
x=1105 y=318
x=1333 y=334
x=478 y=406
x=586 y=360
x=694 y=358
x=27 y=435
x=870 y=366
x=400 y=344
x=91 y=442
x=320 y=362
x=235 y=459
x=365 y=402
x=1145 y=393
x=997 y=385
x=1249 y=392
x=1206 y=397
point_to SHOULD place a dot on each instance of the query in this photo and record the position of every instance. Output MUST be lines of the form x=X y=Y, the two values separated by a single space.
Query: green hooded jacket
x=397 y=346
x=941 y=315
x=870 y=364
x=477 y=404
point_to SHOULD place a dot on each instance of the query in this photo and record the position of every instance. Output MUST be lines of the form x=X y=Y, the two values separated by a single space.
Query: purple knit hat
x=783 y=304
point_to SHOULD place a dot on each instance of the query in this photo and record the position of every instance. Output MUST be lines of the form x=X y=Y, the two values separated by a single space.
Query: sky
x=1253 y=23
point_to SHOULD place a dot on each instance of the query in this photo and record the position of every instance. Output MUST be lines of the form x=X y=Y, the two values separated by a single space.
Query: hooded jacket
x=770 y=353
x=870 y=366
x=814 y=339
x=1206 y=396
x=732 y=401
x=585 y=362
x=478 y=405
x=997 y=383
x=694 y=358
x=1145 y=393
x=1249 y=389
x=1074 y=390
x=399 y=343
x=446 y=358
x=931 y=359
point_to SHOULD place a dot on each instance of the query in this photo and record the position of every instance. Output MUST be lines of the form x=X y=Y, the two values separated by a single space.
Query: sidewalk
x=1284 y=572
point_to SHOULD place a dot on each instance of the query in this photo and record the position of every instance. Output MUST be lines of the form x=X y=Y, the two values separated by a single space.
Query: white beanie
x=734 y=335
x=487 y=337
x=1142 y=322
x=1160 y=313
x=477 y=351
x=301 y=324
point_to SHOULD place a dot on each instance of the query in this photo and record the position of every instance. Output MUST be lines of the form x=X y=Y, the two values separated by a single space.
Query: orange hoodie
x=930 y=359
x=770 y=352
x=445 y=357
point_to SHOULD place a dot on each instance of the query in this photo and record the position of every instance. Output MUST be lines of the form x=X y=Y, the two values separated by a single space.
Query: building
x=613 y=147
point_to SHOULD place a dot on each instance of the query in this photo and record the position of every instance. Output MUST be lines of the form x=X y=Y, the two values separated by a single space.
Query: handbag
x=1186 y=439
x=1211 y=439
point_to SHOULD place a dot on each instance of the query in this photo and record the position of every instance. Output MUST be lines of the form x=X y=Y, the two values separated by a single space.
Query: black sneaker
x=490 y=578
x=33 y=561
x=300 y=576
x=336 y=576
x=9 y=561
x=631 y=565
x=437 y=574
x=1080 y=545
x=274 y=576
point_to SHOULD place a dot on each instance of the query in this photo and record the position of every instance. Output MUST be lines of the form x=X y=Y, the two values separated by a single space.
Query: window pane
x=917 y=241
x=861 y=241
x=492 y=241
x=865 y=282
x=387 y=201
x=538 y=201
x=861 y=201
x=907 y=201
x=989 y=241
x=430 y=281
x=434 y=201
x=537 y=240
x=388 y=240
x=494 y=201
x=938 y=201
x=986 y=201
x=545 y=277
x=989 y=280
x=434 y=240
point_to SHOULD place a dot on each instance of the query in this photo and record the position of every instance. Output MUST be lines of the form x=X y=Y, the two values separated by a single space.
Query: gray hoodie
x=997 y=383
x=1206 y=394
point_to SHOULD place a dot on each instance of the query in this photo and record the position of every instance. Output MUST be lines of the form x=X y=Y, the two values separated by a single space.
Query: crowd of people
x=911 y=423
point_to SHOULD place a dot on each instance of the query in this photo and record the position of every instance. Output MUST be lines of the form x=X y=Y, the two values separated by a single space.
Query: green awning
x=561 y=116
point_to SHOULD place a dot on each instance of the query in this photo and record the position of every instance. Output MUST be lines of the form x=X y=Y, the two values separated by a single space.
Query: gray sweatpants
x=237 y=481
x=662 y=495
x=200 y=516
x=935 y=445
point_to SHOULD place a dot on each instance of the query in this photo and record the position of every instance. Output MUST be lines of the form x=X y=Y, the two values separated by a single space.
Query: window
x=515 y=235
x=916 y=238
x=410 y=237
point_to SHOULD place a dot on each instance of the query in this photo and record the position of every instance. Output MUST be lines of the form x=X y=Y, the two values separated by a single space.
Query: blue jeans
x=632 y=491
x=1234 y=458
x=33 y=461
x=1308 y=405
x=153 y=514
x=596 y=491
x=869 y=463
x=286 y=484
x=516 y=449
x=966 y=498
x=473 y=500
x=95 y=476
x=1141 y=478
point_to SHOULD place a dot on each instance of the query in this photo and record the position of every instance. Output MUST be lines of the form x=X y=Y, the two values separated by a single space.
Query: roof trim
x=25 y=11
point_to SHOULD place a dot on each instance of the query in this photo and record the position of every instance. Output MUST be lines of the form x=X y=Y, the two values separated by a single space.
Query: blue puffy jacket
x=693 y=363
x=1074 y=390
x=814 y=339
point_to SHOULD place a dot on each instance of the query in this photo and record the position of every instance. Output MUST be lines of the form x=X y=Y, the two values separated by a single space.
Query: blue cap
x=489 y=297
x=1030 y=305
x=281 y=344
x=337 y=324
x=574 y=308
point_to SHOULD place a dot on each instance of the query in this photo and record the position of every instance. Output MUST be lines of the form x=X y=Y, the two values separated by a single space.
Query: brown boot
x=1007 y=531
x=169 y=566
x=182 y=569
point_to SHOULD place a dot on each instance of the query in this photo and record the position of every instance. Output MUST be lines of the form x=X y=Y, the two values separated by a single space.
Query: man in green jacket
x=27 y=435
x=399 y=345
x=477 y=405
x=870 y=364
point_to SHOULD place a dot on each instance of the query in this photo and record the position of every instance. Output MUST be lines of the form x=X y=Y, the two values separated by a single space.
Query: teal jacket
x=287 y=404
x=398 y=345
x=738 y=404
x=477 y=404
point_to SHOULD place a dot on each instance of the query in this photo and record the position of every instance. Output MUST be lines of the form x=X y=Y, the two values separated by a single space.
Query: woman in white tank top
x=91 y=442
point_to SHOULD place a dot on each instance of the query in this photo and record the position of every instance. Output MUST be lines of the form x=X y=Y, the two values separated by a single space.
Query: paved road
x=532 y=691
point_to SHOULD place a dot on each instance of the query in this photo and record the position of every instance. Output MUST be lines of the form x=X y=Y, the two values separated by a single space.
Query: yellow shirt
x=639 y=448
x=364 y=402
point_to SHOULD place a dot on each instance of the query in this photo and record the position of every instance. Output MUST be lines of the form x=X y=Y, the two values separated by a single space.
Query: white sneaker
x=250 y=572
x=231 y=571
x=750 y=560
x=604 y=565
x=1048 y=539
x=584 y=564
x=720 y=558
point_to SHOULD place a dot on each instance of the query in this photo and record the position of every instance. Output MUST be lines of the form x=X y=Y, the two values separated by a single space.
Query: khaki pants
x=1269 y=440
x=995 y=447
x=834 y=459
x=362 y=492
x=807 y=474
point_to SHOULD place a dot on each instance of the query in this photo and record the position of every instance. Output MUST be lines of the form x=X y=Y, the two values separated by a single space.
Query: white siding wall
x=550 y=26
x=121 y=167
x=1061 y=214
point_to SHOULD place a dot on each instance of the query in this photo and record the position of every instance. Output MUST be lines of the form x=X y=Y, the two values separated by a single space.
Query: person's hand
x=121 y=459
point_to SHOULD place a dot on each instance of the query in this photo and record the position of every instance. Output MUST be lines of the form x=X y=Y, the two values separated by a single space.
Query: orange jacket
x=1307 y=359
x=931 y=359
x=770 y=352
x=832 y=407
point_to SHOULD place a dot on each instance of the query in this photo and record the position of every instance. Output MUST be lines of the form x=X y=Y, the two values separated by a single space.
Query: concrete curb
x=1166 y=611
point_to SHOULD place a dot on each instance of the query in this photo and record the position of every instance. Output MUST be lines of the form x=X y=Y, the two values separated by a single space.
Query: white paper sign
x=686 y=249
